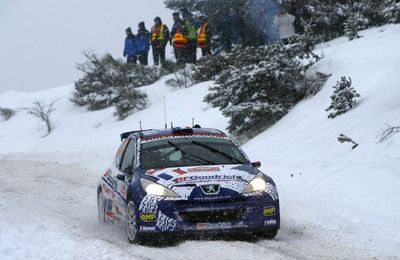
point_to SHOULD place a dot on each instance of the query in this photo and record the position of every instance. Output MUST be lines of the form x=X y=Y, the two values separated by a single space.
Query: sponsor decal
x=207 y=178
x=212 y=198
x=165 y=176
x=143 y=228
x=155 y=136
x=148 y=217
x=152 y=171
x=270 y=222
x=207 y=226
x=210 y=189
x=204 y=169
x=180 y=171
x=122 y=191
x=269 y=211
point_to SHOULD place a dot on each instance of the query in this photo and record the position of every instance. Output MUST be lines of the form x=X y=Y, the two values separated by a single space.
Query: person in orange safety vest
x=204 y=36
x=179 y=38
x=159 y=39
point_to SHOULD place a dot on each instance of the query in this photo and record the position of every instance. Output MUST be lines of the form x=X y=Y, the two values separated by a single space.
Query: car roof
x=152 y=134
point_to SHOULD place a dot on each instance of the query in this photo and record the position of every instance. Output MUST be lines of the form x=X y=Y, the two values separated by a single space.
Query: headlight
x=257 y=184
x=156 y=189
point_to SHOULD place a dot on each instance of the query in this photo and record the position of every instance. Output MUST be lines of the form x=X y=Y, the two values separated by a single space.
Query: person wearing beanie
x=159 y=39
x=130 y=49
x=143 y=44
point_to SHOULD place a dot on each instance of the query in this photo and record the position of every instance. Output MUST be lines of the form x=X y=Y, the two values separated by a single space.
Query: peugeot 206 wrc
x=183 y=181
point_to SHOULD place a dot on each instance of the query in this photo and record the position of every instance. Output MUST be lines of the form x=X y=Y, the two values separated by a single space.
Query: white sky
x=41 y=40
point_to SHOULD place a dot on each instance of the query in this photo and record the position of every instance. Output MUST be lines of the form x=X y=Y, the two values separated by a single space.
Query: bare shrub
x=387 y=132
x=42 y=111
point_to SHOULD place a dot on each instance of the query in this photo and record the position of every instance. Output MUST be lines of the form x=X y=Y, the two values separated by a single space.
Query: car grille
x=209 y=202
x=211 y=216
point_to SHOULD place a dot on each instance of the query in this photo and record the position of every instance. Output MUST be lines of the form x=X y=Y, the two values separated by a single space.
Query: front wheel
x=131 y=224
x=270 y=234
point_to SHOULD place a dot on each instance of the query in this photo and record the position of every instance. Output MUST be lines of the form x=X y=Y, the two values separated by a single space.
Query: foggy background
x=42 y=40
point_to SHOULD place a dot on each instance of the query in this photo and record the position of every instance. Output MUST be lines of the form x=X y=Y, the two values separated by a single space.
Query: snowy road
x=48 y=210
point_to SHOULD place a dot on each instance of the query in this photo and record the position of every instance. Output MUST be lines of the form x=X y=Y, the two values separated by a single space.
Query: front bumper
x=220 y=216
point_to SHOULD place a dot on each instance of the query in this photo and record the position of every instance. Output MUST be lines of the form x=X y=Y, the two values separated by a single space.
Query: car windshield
x=189 y=151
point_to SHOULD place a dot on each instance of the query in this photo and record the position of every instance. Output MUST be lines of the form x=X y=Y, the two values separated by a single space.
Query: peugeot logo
x=210 y=189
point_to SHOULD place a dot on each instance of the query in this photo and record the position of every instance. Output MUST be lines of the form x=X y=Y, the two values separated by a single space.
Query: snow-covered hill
x=336 y=202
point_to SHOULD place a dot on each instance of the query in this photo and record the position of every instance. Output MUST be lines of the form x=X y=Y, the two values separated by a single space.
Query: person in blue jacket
x=130 y=50
x=143 y=44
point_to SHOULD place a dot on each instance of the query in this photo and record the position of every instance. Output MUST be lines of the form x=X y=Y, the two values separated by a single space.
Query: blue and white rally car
x=183 y=181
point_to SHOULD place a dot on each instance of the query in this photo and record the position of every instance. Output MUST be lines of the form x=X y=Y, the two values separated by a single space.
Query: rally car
x=186 y=181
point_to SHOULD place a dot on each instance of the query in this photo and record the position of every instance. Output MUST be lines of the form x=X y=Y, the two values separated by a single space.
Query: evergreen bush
x=6 y=113
x=391 y=11
x=343 y=99
x=109 y=82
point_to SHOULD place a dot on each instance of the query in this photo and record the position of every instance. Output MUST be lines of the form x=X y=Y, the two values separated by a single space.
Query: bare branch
x=387 y=132
x=43 y=112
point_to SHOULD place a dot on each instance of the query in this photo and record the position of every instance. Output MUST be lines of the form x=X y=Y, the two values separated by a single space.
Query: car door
x=124 y=175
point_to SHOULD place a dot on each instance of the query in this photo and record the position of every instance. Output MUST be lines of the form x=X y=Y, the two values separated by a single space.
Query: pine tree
x=391 y=11
x=343 y=99
x=353 y=24
x=131 y=99
x=258 y=89
x=109 y=82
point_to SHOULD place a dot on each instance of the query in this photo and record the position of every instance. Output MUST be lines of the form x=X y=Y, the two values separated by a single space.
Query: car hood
x=205 y=182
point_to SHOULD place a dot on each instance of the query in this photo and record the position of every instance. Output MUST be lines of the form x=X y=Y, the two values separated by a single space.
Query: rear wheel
x=101 y=207
x=131 y=224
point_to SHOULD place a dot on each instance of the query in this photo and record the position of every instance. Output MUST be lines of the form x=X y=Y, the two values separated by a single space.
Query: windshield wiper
x=185 y=154
x=213 y=150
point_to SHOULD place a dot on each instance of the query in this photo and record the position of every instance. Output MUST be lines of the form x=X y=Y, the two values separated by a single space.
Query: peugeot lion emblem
x=210 y=189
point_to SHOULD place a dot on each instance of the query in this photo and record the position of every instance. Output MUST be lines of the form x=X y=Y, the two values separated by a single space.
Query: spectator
x=159 y=39
x=130 y=49
x=191 y=26
x=143 y=44
x=179 y=38
x=299 y=10
x=204 y=36
x=233 y=29
x=284 y=21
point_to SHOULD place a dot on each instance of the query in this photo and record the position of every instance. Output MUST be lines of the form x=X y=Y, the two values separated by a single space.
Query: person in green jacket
x=191 y=26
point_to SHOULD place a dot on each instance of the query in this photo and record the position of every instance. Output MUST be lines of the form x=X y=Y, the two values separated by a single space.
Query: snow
x=335 y=202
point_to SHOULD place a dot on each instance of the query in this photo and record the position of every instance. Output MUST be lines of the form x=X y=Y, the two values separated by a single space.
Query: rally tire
x=101 y=207
x=131 y=226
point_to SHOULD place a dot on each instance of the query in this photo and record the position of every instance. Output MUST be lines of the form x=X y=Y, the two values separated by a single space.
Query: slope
x=327 y=183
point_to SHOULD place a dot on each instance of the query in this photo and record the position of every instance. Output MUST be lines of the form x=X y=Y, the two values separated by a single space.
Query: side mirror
x=256 y=164
x=121 y=177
